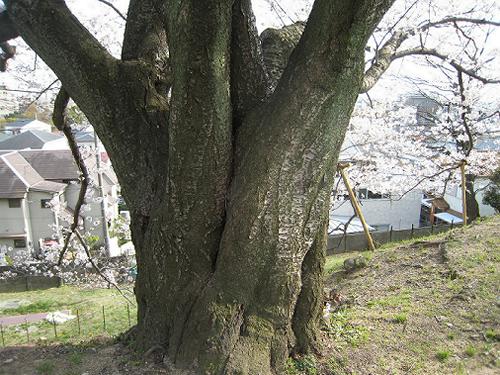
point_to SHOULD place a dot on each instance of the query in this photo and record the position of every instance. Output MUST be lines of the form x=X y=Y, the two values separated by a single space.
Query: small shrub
x=45 y=368
x=443 y=355
x=400 y=318
x=492 y=335
x=470 y=351
x=304 y=365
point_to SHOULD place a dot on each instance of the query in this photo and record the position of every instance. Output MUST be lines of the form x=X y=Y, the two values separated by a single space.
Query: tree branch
x=7 y=28
x=81 y=63
x=114 y=8
x=389 y=51
x=445 y=58
x=145 y=35
x=249 y=81
x=60 y=120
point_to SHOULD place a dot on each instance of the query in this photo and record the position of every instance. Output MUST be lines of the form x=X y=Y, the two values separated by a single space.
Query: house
x=26 y=219
x=38 y=193
x=20 y=126
x=381 y=211
x=30 y=139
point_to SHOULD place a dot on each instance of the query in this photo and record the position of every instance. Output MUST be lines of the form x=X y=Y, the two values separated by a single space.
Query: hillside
x=430 y=306
x=423 y=307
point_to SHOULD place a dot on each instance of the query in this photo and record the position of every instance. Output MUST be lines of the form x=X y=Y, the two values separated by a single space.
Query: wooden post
x=1 y=331
x=356 y=206
x=78 y=322
x=128 y=315
x=464 y=191
x=27 y=330
x=103 y=318
x=55 y=326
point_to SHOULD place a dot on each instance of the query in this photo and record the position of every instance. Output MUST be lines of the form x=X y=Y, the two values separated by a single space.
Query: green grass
x=443 y=355
x=400 y=318
x=335 y=263
x=87 y=302
x=470 y=350
x=45 y=368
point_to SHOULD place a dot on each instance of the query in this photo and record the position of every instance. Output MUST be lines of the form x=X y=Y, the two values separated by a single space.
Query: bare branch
x=114 y=8
x=389 y=51
x=445 y=58
x=40 y=93
x=98 y=270
x=83 y=65
x=451 y=20
x=60 y=121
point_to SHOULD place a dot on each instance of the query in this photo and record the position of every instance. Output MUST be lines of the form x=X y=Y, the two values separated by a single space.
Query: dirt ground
x=99 y=357
x=422 y=307
x=427 y=307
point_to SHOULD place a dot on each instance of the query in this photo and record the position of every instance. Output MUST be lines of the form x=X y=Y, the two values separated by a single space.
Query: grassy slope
x=88 y=302
x=418 y=308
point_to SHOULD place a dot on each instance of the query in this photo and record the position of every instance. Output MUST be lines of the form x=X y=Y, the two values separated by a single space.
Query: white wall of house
x=43 y=220
x=453 y=196
x=14 y=225
x=93 y=213
x=401 y=214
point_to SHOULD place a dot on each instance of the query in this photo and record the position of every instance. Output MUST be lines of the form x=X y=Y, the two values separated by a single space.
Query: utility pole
x=101 y=195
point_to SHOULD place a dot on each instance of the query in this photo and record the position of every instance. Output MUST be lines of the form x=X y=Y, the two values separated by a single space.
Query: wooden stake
x=128 y=315
x=103 y=318
x=464 y=192
x=1 y=331
x=27 y=331
x=356 y=206
x=78 y=322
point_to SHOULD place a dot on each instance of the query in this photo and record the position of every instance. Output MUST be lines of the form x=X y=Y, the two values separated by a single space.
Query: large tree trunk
x=228 y=181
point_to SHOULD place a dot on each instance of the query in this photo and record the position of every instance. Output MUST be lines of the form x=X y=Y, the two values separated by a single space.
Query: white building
x=38 y=192
x=20 y=126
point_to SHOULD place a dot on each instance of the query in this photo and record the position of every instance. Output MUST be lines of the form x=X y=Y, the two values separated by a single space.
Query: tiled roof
x=24 y=170
x=52 y=164
x=34 y=139
x=17 y=176
x=11 y=186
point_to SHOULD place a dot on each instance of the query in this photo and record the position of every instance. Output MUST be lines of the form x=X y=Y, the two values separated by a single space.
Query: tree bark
x=229 y=222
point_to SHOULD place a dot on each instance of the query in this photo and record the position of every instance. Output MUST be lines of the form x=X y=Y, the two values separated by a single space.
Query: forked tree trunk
x=228 y=182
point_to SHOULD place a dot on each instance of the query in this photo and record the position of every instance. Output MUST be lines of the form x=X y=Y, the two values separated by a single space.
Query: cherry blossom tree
x=226 y=146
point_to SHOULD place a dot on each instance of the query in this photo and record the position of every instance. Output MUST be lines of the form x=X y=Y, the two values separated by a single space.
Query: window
x=20 y=242
x=368 y=194
x=14 y=203
x=45 y=203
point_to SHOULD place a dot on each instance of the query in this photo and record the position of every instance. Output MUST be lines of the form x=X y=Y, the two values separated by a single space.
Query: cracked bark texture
x=226 y=163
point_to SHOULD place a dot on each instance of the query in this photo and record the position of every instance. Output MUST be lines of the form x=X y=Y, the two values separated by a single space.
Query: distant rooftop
x=18 y=124
x=30 y=139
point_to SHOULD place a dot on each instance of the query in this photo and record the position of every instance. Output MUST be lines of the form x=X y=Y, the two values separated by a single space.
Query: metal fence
x=357 y=241
x=86 y=323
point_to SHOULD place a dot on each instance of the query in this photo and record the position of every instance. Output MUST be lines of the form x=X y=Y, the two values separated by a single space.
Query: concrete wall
x=25 y=283
x=43 y=220
x=453 y=196
x=399 y=214
x=357 y=241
